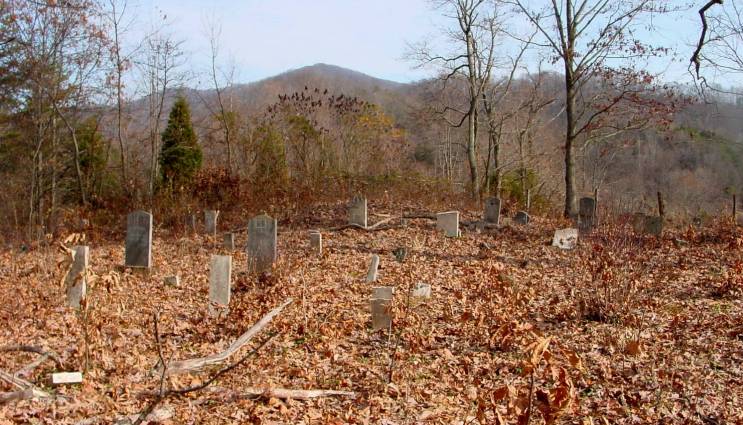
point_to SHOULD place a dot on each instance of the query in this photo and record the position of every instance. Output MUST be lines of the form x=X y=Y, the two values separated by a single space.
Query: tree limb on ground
x=199 y=364
x=26 y=390
x=33 y=349
x=285 y=393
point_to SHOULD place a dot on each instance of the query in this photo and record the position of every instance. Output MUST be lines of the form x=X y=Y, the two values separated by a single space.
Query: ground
x=623 y=329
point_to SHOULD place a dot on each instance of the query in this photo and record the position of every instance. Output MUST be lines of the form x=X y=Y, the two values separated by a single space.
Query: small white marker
x=63 y=378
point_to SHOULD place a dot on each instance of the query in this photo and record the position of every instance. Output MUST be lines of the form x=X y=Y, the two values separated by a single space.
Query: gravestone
x=220 y=277
x=371 y=274
x=138 y=240
x=191 y=223
x=261 y=243
x=522 y=217
x=174 y=281
x=381 y=305
x=653 y=225
x=76 y=282
x=449 y=223
x=565 y=238
x=587 y=214
x=422 y=290
x=492 y=210
x=316 y=241
x=229 y=241
x=210 y=221
x=67 y=378
x=357 y=213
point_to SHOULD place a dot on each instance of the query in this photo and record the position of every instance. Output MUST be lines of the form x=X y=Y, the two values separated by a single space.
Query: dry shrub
x=616 y=266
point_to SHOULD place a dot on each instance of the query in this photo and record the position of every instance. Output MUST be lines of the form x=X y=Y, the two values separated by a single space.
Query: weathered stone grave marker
x=381 y=304
x=174 y=281
x=565 y=238
x=76 y=280
x=210 y=221
x=371 y=274
x=138 y=240
x=316 y=241
x=522 y=217
x=421 y=290
x=449 y=223
x=492 y=210
x=262 y=232
x=229 y=241
x=647 y=224
x=587 y=214
x=220 y=278
x=357 y=212
x=67 y=378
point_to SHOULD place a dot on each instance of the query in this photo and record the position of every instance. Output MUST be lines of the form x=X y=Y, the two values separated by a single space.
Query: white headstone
x=357 y=213
x=381 y=304
x=422 y=290
x=76 y=280
x=138 y=240
x=316 y=241
x=565 y=238
x=210 y=221
x=449 y=223
x=371 y=274
x=220 y=278
x=66 y=378
x=261 y=243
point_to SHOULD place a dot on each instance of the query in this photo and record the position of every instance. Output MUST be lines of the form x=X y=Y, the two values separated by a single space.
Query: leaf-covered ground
x=623 y=329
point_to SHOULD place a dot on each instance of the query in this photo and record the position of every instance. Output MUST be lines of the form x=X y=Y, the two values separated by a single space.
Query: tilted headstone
x=357 y=213
x=492 y=210
x=229 y=241
x=138 y=240
x=210 y=221
x=522 y=217
x=220 y=278
x=261 y=243
x=449 y=223
x=371 y=274
x=76 y=280
x=422 y=290
x=316 y=241
x=565 y=238
x=381 y=305
x=587 y=214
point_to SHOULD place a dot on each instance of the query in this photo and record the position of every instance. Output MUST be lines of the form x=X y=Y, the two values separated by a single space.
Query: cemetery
x=417 y=323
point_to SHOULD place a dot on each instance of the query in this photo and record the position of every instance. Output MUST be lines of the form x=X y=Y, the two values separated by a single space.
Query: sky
x=267 y=37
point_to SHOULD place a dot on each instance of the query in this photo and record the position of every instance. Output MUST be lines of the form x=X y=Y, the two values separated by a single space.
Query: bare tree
x=471 y=60
x=593 y=40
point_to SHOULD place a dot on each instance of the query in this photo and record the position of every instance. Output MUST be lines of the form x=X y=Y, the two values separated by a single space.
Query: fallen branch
x=199 y=364
x=285 y=393
x=375 y=226
x=46 y=354
x=26 y=391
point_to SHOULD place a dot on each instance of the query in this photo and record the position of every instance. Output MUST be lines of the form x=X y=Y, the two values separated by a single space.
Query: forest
x=548 y=223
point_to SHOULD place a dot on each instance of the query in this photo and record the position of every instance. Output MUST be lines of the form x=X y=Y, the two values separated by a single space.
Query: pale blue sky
x=267 y=37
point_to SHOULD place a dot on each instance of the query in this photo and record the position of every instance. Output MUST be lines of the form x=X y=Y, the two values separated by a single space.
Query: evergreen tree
x=180 y=155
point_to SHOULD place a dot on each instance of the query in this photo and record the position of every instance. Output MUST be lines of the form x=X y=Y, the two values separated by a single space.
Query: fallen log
x=285 y=393
x=201 y=363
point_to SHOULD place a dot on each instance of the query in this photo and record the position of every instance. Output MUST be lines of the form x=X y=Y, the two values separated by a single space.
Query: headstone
x=384 y=292
x=422 y=290
x=565 y=238
x=138 y=240
x=229 y=241
x=220 y=277
x=587 y=214
x=492 y=210
x=653 y=225
x=210 y=221
x=174 y=281
x=66 y=378
x=357 y=213
x=316 y=241
x=261 y=243
x=449 y=223
x=381 y=304
x=76 y=281
x=371 y=275
x=522 y=217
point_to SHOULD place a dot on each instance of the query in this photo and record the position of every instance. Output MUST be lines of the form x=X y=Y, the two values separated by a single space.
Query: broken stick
x=201 y=363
